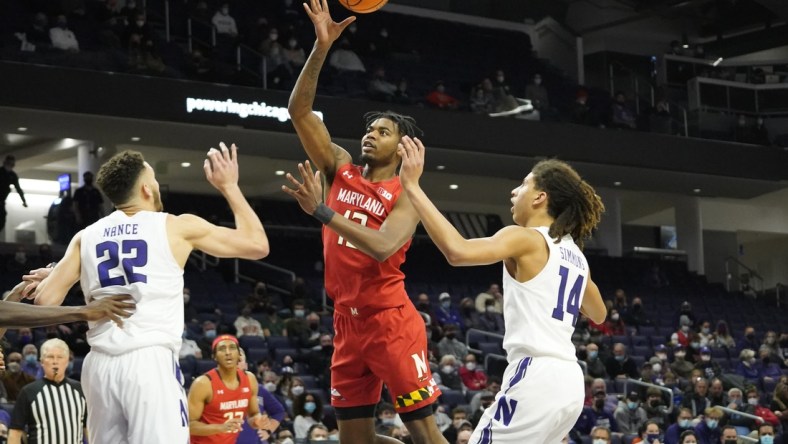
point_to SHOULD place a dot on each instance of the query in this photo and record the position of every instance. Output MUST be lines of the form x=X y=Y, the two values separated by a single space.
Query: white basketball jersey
x=540 y=314
x=123 y=254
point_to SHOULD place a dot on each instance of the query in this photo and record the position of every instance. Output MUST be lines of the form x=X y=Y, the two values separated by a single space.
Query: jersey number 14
x=572 y=299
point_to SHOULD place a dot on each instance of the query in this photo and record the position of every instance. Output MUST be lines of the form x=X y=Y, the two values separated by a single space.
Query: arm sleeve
x=21 y=411
x=19 y=188
x=271 y=406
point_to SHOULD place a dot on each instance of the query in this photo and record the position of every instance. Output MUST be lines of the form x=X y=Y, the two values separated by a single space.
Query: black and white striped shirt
x=51 y=412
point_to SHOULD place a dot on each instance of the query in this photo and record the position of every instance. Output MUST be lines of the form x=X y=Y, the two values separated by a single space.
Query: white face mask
x=297 y=390
x=599 y=441
x=662 y=356
x=447 y=368
x=471 y=366
x=752 y=401
x=270 y=386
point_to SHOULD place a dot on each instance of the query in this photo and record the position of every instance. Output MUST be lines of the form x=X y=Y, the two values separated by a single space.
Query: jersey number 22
x=134 y=255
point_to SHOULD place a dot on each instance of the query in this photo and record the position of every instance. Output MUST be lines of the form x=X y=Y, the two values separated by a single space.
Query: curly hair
x=117 y=177
x=406 y=125
x=572 y=202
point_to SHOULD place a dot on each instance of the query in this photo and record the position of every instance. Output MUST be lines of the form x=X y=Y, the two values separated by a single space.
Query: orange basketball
x=363 y=6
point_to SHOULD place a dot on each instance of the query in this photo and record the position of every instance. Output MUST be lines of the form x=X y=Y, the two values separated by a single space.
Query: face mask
x=387 y=421
x=730 y=441
x=287 y=441
x=752 y=401
x=680 y=355
x=456 y=423
x=446 y=304
x=297 y=390
x=447 y=368
x=599 y=441
x=140 y=23
x=632 y=405
x=353 y=28
x=705 y=358
x=620 y=358
x=310 y=407
x=656 y=368
x=770 y=341
x=450 y=336
x=471 y=366
x=210 y=334
x=767 y=439
x=750 y=336
x=599 y=404
x=14 y=367
x=662 y=356
x=753 y=360
x=537 y=81
x=30 y=359
x=270 y=386
x=684 y=423
x=615 y=317
x=273 y=37
x=711 y=424
x=384 y=33
x=593 y=354
x=499 y=78
x=292 y=43
x=298 y=313
x=186 y=298
x=695 y=344
x=20 y=256
x=651 y=437
x=685 y=328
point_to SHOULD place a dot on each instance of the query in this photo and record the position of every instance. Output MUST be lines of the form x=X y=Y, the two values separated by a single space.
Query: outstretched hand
x=116 y=308
x=326 y=29
x=32 y=280
x=308 y=193
x=412 y=153
x=221 y=166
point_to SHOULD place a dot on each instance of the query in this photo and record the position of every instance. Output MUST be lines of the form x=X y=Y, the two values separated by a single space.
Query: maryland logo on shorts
x=417 y=395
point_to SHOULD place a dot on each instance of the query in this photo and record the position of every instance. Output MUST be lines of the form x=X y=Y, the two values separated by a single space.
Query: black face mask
x=599 y=404
x=730 y=441
x=423 y=306
x=750 y=336
x=451 y=335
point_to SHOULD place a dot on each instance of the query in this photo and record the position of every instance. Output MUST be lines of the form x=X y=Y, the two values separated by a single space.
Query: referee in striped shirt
x=51 y=410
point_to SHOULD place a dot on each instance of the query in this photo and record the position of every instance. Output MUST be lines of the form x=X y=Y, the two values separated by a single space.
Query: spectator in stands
x=620 y=365
x=492 y=293
x=439 y=98
x=730 y=435
x=630 y=416
x=504 y=103
x=622 y=115
x=294 y=54
x=224 y=23
x=615 y=324
x=636 y=316
x=464 y=437
x=446 y=314
x=450 y=345
x=189 y=347
x=209 y=333
x=458 y=416
x=38 y=33
x=688 y=437
x=736 y=402
x=650 y=432
x=707 y=337
x=130 y=11
x=379 y=88
x=686 y=314
x=468 y=315
x=380 y=45
x=760 y=135
x=387 y=417
x=246 y=325
x=449 y=377
x=537 y=94
x=30 y=364
x=481 y=98
x=319 y=360
x=403 y=95
x=775 y=352
x=493 y=386
x=316 y=432
x=779 y=402
x=63 y=38
x=486 y=399
x=595 y=415
x=579 y=112
x=766 y=434
x=768 y=364
x=594 y=365
x=708 y=430
x=682 y=335
x=741 y=132
x=88 y=203
x=138 y=31
x=581 y=336
x=716 y=394
x=748 y=366
x=681 y=366
x=424 y=305
x=258 y=298
x=676 y=430
x=297 y=325
x=601 y=435
x=14 y=378
x=711 y=369
x=271 y=323
x=472 y=376
x=748 y=340
x=697 y=401
x=344 y=60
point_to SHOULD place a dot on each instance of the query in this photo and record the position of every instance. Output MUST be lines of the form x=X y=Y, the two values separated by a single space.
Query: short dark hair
x=117 y=177
x=406 y=125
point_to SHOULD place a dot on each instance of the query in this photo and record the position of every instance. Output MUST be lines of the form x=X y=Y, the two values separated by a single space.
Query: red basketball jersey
x=225 y=404
x=352 y=278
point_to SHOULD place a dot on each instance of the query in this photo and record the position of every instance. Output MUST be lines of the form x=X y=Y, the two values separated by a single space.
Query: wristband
x=323 y=213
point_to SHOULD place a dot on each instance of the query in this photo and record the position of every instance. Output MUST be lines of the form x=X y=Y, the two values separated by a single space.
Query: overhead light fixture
x=453 y=186
x=186 y=164
x=617 y=183
x=696 y=190
x=135 y=139
x=22 y=129
x=717 y=62
x=684 y=41
x=440 y=167
x=279 y=172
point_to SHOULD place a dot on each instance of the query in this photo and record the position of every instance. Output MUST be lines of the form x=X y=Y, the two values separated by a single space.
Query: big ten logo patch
x=387 y=195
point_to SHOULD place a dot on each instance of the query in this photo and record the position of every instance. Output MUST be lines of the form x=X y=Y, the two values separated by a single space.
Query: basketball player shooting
x=380 y=337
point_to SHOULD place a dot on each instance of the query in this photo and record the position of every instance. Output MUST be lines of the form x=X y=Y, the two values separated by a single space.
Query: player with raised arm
x=547 y=285
x=379 y=334
x=131 y=376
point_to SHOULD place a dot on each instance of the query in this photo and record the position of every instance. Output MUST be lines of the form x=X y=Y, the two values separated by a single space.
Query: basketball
x=363 y=6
